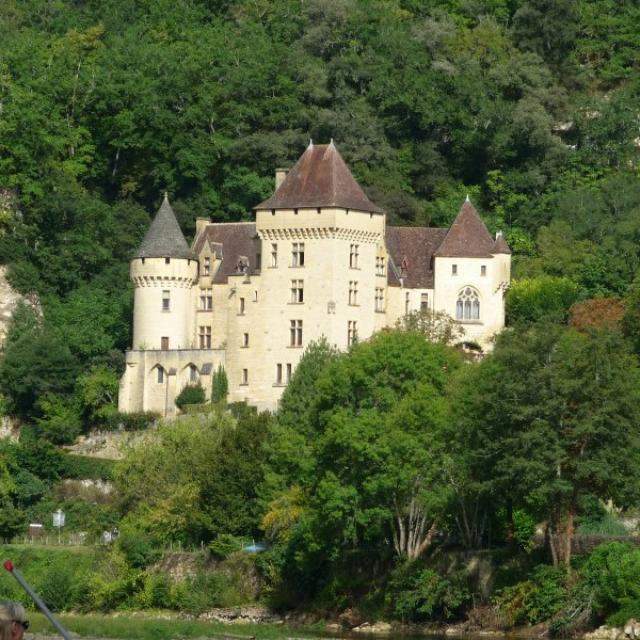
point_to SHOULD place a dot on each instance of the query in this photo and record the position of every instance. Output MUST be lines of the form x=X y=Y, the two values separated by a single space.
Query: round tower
x=163 y=272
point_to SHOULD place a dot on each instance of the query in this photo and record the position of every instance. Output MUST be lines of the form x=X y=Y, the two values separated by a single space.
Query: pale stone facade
x=318 y=261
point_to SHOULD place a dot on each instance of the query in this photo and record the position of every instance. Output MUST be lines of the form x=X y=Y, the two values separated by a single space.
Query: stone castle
x=319 y=260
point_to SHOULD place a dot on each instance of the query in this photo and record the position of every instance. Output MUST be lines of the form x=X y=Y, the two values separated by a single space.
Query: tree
x=435 y=326
x=36 y=361
x=219 y=385
x=378 y=486
x=542 y=297
x=551 y=416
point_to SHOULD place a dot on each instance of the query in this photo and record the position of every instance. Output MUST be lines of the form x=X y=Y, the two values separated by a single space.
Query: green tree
x=540 y=298
x=219 y=385
x=549 y=417
x=377 y=490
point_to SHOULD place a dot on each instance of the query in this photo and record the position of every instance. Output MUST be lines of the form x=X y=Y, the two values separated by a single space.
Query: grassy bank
x=149 y=628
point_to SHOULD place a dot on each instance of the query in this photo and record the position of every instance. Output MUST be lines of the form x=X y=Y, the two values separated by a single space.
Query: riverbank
x=256 y=623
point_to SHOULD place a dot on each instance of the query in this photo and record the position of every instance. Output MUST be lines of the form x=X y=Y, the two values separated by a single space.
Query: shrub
x=426 y=595
x=225 y=544
x=219 y=385
x=191 y=394
x=534 y=600
x=136 y=421
x=610 y=579
x=77 y=467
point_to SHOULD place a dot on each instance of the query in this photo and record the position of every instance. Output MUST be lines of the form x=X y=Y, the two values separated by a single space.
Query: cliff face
x=9 y=300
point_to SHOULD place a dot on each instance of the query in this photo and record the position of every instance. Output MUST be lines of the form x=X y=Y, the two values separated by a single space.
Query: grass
x=149 y=628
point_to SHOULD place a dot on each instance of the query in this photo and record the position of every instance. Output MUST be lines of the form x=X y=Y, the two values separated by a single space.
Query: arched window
x=160 y=374
x=468 y=305
x=193 y=373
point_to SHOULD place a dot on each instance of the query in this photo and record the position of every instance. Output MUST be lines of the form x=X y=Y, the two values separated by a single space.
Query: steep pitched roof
x=320 y=178
x=467 y=237
x=411 y=250
x=233 y=242
x=500 y=245
x=164 y=238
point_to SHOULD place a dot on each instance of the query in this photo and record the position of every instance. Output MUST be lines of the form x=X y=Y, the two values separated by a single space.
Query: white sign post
x=58 y=521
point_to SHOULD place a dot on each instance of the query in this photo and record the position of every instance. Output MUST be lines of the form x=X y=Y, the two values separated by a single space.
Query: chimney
x=201 y=224
x=281 y=174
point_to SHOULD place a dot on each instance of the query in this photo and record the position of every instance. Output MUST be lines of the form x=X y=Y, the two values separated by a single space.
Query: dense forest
x=528 y=106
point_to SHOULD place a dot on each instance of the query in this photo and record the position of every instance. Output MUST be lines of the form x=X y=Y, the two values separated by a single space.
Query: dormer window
x=206 y=266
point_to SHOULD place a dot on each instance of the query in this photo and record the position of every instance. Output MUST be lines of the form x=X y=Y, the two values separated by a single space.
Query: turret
x=163 y=272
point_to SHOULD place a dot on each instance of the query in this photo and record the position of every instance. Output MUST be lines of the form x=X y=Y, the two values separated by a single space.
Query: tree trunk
x=561 y=529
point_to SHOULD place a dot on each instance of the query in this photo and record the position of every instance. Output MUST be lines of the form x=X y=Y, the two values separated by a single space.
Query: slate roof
x=411 y=249
x=467 y=237
x=164 y=238
x=320 y=178
x=233 y=242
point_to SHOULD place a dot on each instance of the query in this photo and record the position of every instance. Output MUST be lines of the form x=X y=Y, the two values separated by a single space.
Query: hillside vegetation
x=380 y=458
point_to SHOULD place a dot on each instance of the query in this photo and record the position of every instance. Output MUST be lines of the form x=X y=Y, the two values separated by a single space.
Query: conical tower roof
x=467 y=237
x=165 y=239
x=320 y=178
x=500 y=245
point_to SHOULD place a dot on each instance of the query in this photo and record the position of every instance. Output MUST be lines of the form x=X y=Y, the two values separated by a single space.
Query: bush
x=610 y=577
x=534 y=600
x=77 y=467
x=191 y=394
x=426 y=595
x=137 y=421
x=225 y=544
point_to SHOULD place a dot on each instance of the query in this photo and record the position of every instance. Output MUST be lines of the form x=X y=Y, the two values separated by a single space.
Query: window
x=241 y=306
x=379 y=306
x=245 y=339
x=274 y=254
x=454 y=269
x=483 y=270
x=193 y=373
x=297 y=254
x=258 y=261
x=166 y=300
x=206 y=266
x=407 y=302
x=204 y=337
x=353 y=292
x=468 y=305
x=380 y=265
x=295 y=333
x=289 y=368
x=245 y=376
x=167 y=260
x=297 y=291
x=206 y=299
x=424 y=302
x=353 y=256
x=160 y=375
x=164 y=343
x=352 y=332
x=279 y=373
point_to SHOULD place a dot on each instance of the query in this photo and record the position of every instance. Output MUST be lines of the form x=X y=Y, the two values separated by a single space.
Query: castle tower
x=163 y=272
x=472 y=273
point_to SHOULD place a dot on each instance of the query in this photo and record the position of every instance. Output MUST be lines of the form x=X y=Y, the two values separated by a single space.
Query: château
x=319 y=261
